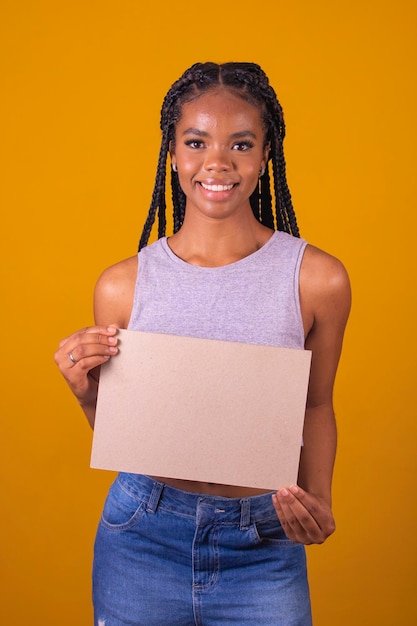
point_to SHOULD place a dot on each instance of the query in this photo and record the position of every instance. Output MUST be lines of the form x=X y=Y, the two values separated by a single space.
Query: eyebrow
x=202 y=133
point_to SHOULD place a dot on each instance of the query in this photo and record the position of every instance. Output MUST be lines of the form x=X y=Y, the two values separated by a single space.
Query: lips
x=217 y=187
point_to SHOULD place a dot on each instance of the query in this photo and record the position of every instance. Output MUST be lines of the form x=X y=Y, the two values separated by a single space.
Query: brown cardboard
x=201 y=409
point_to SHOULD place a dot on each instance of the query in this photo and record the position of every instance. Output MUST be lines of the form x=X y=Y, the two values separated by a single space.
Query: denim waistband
x=242 y=511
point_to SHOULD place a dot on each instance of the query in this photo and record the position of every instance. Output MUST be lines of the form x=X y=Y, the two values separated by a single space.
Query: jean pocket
x=272 y=531
x=121 y=510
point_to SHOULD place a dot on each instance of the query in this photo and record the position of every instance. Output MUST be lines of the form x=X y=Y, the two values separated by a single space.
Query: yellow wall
x=81 y=87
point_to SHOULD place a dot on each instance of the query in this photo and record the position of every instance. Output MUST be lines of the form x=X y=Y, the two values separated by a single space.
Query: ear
x=266 y=155
x=171 y=150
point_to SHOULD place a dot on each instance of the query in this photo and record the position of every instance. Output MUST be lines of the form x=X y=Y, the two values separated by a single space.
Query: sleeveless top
x=254 y=300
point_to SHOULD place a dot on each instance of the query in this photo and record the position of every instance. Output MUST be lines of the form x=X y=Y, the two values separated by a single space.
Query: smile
x=217 y=187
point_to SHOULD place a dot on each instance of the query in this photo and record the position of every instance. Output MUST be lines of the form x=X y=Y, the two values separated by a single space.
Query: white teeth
x=216 y=187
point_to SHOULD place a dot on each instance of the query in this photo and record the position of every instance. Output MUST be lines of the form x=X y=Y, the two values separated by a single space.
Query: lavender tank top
x=254 y=300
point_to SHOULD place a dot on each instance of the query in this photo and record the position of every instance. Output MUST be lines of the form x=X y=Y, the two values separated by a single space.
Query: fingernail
x=113 y=350
x=283 y=492
x=294 y=489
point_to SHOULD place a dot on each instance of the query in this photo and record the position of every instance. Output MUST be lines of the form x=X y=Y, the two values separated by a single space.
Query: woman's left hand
x=305 y=518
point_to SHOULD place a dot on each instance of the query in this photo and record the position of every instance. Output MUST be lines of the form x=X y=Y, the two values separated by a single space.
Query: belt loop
x=244 y=514
x=155 y=497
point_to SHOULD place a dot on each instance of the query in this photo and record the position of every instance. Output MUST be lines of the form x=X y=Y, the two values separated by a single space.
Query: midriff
x=212 y=489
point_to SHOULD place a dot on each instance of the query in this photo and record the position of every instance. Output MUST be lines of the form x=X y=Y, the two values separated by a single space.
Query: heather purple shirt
x=254 y=300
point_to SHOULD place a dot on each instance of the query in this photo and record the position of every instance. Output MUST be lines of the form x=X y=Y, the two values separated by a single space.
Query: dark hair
x=249 y=82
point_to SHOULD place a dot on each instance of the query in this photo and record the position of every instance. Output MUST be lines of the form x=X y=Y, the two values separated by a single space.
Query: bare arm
x=93 y=346
x=305 y=509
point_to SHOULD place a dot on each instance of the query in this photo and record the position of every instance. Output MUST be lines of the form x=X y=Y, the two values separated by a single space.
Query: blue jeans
x=166 y=557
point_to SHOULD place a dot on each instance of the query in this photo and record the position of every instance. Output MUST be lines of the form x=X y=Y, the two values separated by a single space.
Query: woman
x=179 y=552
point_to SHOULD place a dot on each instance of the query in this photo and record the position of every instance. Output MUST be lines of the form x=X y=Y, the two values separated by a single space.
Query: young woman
x=173 y=552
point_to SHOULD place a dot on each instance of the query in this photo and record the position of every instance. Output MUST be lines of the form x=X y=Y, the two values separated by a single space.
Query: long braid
x=255 y=202
x=178 y=202
x=282 y=221
x=250 y=82
x=267 y=215
x=158 y=195
x=261 y=201
x=286 y=219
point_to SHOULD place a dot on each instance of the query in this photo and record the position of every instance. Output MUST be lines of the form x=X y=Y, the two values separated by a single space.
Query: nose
x=217 y=159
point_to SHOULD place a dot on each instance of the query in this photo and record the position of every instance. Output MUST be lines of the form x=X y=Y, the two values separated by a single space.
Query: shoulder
x=119 y=274
x=323 y=270
x=324 y=285
x=114 y=292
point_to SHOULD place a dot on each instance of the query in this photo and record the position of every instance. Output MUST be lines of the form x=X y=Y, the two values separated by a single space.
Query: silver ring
x=71 y=356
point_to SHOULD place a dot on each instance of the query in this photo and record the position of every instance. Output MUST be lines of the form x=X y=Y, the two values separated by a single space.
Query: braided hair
x=248 y=81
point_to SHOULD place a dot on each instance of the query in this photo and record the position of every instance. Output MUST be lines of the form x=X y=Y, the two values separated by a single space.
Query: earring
x=174 y=167
x=261 y=172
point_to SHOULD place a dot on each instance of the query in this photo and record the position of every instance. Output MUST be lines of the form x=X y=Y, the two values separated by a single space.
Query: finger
x=72 y=358
x=84 y=368
x=82 y=354
x=318 y=509
x=80 y=345
x=91 y=334
x=103 y=331
x=304 y=515
x=297 y=522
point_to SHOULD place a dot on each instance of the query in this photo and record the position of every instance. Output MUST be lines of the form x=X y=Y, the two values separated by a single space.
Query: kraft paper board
x=202 y=409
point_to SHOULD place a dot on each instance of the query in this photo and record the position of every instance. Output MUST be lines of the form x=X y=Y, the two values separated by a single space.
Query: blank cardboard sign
x=202 y=409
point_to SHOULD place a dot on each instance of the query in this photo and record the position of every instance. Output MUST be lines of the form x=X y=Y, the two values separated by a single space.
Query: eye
x=194 y=143
x=241 y=146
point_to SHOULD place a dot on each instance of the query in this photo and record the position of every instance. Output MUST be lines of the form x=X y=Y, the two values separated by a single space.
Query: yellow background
x=80 y=92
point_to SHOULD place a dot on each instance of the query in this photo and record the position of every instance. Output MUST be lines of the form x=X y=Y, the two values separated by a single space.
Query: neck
x=213 y=243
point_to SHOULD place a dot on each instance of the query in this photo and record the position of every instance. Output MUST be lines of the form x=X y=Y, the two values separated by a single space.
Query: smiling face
x=219 y=151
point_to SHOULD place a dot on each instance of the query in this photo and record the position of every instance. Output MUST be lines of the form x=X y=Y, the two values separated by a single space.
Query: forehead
x=221 y=108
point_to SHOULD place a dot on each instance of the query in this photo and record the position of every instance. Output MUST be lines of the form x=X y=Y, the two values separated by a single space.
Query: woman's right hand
x=79 y=358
